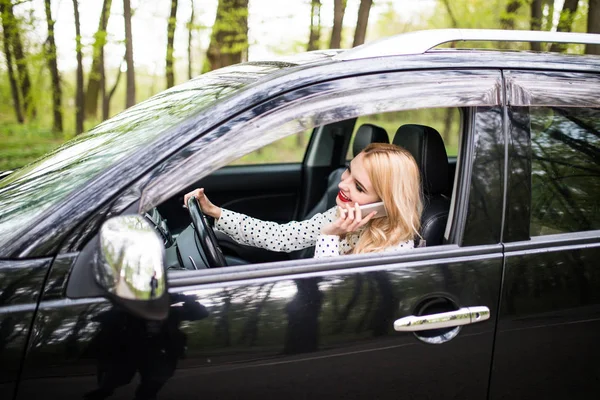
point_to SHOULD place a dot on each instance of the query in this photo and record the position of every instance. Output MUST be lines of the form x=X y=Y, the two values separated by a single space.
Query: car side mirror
x=129 y=266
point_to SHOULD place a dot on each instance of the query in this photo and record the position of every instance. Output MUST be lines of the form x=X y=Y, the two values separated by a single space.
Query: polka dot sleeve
x=403 y=246
x=327 y=246
x=272 y=236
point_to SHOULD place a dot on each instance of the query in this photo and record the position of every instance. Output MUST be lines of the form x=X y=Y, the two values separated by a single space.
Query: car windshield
x=31 y=190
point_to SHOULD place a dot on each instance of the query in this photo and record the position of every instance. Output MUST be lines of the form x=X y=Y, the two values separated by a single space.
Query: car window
x=445 y=120
x=289 y=149
x=565 y=147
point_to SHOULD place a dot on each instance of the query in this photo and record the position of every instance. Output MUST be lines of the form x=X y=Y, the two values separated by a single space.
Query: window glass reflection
x=565 y=145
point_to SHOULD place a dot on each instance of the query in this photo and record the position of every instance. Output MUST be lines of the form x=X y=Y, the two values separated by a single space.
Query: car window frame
x=493 y=97
x=538 y=88
x=167 y=179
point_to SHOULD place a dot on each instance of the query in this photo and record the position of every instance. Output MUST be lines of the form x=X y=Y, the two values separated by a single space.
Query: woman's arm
x=272 y=236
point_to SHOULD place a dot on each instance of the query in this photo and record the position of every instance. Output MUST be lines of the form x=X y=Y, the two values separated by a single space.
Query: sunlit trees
x=130 y=93
x=96 y=81
x=361 y=23
x=15 y=57
x=339 y=9
x=53 y=67
x=79 y=99
x=315 y=25
x=171 y=23
x=229 y=37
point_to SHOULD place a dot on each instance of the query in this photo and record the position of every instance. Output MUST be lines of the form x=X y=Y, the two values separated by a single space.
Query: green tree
x=95 y=79
x=339 y=9
x=190 y=27
x=7 y=39
x=53 y=67
x=565 y=22
x=361 y=23
x=229 y=37
x=171 y=24
x=130 y=93
x=315 y=25
x=79 y=99
x=593 y=25
x=16 y=54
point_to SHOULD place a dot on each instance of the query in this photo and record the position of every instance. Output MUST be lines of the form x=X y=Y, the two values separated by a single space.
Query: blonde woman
x=380 y=173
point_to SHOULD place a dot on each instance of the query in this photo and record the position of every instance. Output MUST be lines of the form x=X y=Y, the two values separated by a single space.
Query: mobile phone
x=366 y=209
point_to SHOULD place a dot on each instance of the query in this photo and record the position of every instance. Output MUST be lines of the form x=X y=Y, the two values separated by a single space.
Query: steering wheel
x=205 y=235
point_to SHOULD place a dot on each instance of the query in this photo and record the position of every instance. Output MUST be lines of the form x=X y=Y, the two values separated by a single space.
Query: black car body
x=522 y=239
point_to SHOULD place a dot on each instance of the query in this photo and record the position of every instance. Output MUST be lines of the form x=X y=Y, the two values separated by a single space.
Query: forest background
x=67 y=65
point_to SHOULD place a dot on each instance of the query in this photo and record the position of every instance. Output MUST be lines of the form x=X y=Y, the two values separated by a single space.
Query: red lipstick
x=343 y=197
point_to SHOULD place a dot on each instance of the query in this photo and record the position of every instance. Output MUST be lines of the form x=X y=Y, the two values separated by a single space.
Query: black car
x=109 y=288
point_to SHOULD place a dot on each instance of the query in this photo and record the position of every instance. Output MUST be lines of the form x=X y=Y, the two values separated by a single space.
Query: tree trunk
x=453 y=20
x=315 y=25
x=94 y=84
x=229 y=38
x=79 y=99
x=53 y=67
x=535 y=24
x=565 y=22
x=14 y=87
x=339 y=8
x=103 y=93
x=593 y=25
x=190 y=37
x=361 y=23
x=11 y=28
x=170 y=74
x=130 y=98
x=507 y=21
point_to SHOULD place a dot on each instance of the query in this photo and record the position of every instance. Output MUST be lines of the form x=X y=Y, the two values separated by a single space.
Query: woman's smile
x=343 y=197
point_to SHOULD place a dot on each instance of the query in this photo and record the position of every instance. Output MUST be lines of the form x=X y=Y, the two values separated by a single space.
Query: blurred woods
x=55 y=86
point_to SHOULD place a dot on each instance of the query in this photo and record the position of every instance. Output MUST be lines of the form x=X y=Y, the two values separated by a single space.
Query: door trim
x=327 y=266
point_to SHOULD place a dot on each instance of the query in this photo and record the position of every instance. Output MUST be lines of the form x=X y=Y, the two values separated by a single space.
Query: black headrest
x=427 y=147
x=367 y=134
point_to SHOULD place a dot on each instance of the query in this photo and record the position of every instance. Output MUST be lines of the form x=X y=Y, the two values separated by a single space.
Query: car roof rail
x=419 y=42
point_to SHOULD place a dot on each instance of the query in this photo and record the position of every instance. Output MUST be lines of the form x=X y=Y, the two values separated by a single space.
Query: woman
x=381 y=172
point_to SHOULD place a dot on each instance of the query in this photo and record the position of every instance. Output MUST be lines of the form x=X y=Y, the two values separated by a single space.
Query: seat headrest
x=427 y=147
x=367 y=134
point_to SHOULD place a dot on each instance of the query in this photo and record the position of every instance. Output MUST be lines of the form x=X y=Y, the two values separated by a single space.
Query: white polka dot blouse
x=292 y=236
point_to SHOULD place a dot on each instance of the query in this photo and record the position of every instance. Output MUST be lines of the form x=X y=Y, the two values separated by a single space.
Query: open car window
x=333 y=104
x=332 y=101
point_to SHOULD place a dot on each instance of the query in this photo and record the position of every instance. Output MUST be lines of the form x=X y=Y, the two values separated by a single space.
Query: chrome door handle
x=463 y=316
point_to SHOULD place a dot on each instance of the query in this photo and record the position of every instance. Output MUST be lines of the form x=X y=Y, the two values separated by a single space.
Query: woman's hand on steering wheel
x=205 y=235
x=207 y=207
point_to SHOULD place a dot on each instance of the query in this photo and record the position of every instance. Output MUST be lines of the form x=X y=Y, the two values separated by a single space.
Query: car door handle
x=463 y=316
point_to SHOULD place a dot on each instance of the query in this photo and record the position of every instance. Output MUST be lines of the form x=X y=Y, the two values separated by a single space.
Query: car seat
x=427 y=147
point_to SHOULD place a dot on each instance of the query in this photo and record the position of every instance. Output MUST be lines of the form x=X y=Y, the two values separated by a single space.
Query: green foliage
x=21 y=144
x=465 y=14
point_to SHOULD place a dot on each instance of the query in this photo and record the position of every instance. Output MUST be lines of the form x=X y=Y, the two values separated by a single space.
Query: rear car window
x=565 y=147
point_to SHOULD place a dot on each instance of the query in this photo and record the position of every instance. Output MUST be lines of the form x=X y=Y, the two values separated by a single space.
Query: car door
x=548 y=323
x=318 y=328
x=21 y=283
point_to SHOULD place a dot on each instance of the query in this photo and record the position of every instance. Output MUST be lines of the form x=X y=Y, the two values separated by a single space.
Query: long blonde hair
x=395 y=178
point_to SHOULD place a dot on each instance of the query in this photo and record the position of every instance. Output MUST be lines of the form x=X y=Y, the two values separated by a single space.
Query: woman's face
x=355 y=186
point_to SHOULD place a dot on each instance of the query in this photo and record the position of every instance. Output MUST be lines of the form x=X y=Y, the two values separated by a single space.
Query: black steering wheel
x=205 y=235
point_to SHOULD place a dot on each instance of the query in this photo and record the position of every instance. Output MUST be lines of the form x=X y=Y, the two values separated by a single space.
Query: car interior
x=286 y=191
